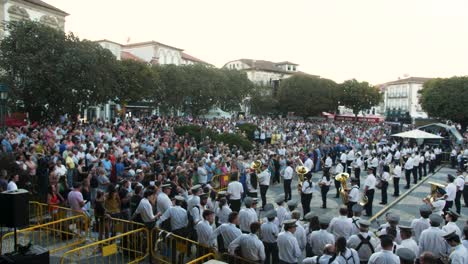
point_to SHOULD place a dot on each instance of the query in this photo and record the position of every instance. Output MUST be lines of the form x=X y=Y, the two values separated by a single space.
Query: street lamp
x=3 y=103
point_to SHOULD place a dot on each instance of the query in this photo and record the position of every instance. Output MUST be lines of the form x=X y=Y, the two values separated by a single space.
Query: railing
x=40 y=213
x=170 y=248
x=54 y=236
x=129 y=247
x=108 y=227
x=232 y=259
x=202 y=259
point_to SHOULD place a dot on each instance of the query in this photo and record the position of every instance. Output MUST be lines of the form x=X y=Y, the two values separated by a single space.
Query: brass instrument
x=256 y=166
x=364 y=200
x=434 y=185
x=342 y=178
x=301 y=170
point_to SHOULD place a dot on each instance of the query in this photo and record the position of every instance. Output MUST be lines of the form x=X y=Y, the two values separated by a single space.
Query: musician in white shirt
x=369 y=190
x=287 y=176
x=396 y=179
x=353 y=196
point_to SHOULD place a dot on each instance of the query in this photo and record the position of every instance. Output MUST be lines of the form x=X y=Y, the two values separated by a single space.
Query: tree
x=235 y=89
x=136 y=81
x=447 y=99
x=262 y=101
x=307 y=95
x=359 y=96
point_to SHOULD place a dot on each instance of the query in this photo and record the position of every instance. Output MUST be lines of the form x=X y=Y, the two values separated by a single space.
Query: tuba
x=434 y=185
x=364 y=200
x=301 y=170
x=256 y=166
x=342 y=178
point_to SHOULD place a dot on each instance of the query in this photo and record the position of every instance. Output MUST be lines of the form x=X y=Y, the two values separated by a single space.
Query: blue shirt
x=107 y=164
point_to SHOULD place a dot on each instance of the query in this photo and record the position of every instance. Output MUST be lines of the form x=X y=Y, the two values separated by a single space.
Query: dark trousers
x=305 y=201
x=324 y=190
x=396 y=186
x=457 y=201
x=326 y=171
x=465 y=195
x=420 y=171
x=348 y=166
x=337 y=186
x=425 y=167
x=263 y=191
x=453 y=161
x=271 y=253
x=235 y=205
x=415 y=175
x=287 y=189
x=350 y=208
x=370 y=200
x=252 y=194
x=357 y=175
x=384 y=192
x=284 y=262
x=408 y=177
x=448 y=206
x=431 y=166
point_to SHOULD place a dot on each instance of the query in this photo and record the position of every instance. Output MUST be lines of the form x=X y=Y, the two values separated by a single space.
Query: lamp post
x=3 y=103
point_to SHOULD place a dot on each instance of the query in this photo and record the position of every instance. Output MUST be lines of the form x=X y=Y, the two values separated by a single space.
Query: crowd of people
x=143 y=171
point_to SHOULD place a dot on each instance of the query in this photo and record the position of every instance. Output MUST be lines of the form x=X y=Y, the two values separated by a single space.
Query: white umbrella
x=417 y=134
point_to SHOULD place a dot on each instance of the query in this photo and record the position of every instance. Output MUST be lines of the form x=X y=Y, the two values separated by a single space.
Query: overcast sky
x=370 y=40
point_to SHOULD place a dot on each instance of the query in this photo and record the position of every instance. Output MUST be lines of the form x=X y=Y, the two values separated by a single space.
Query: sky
x=369 y=40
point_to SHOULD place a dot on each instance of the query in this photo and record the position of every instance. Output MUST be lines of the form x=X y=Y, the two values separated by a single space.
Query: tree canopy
x=446 y=98
x=307 y=95
x=359 y=96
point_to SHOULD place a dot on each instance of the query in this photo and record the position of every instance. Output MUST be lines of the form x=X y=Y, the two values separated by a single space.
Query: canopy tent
x=417 y=134
x=217 y=113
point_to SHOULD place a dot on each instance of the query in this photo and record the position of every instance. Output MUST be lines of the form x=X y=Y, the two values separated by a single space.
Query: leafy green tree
x=359 y=96
x=169 y=94
x=262 y=101
x=234 y=90
x=447 y=99
x=136 y=81
x=307 y=95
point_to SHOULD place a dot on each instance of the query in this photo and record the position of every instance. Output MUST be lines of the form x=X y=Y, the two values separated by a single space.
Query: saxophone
x=342 y=178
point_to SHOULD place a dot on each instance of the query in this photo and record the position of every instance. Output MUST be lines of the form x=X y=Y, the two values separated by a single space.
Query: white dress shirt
x=343 y=157
x=223 y=214
x=281 y=214
x=365 y=251
x=246 y=217
x=204 y=233
x=178 y=216
x=300 y=235
x=288 y=173
x=460 y=183
x=451 y=190
x=350 y=256
x=251 y=247
x=288 y=247
x=384 y=257
x=318 y=239
x=328 y=162
x=418 y=226
x=264 y=178
x=163 y=203
x=370 y=182
x=145 y=210
x=451 y=227
x=235 y=190
x=397 y=171
x=228 y=232
x=459 y=255
x=432 y=240
x=269 y=232
x=411 y=245
x=438 y=206
x=307 y=187
x=341 y=226
x=409 y=164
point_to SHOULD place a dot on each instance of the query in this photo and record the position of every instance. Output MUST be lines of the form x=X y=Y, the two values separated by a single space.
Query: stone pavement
x=407 y=207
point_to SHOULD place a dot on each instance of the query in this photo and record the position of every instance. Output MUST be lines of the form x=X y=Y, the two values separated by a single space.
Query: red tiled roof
x=46 y=5
x=186 y=56
x=124 y=55
x=152 y=42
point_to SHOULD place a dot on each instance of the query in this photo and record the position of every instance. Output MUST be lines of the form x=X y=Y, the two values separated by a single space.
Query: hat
x=441 y=191
x=139 y=171
x=268 y=207
x=309 y=216
x=425 y=208
x=405 y=228
x=292 y=203
x=453 y=213
x=451 y=177
x=392 y=217
x=406 y=254
x=364 y=223
x=248 y=201
x=179 y=198
x=450 y=235
x=324 y=220
x=195 y=188
x=270 y=214
x=357 y=208
x=167 y=185
x=279 y=199
x=436 y=219
x=289 y=223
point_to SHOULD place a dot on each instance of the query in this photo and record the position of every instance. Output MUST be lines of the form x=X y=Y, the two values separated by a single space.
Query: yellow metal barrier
x=202 y=259
x=54 y=236
x=167 y=247
x=232 y=259
x=109 y=227
x=129 y=247
x=40 y=213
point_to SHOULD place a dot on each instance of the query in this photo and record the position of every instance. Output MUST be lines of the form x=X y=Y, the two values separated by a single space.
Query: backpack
x=365 y=241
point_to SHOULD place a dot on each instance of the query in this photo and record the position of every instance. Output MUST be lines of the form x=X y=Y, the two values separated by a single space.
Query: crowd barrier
x=129 y=247
x=232 y=259
x=40 y=213
x=167 y=247
x=202 y=259
x=54 y=236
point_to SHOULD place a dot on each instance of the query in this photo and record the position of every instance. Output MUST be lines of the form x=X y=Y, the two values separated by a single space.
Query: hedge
x=249 y=130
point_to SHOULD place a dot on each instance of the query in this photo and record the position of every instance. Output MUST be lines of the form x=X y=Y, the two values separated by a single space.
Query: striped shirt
x=178 y=216
x=246 y=217
x=228 y=231
x=204 y=232
x=223 y=214
x=269 y=232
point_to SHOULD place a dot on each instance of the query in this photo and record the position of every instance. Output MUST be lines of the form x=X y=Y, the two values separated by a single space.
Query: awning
x=417 y=134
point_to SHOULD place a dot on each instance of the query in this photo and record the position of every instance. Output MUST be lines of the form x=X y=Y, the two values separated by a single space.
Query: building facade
x=34 y=10
x=402 y=95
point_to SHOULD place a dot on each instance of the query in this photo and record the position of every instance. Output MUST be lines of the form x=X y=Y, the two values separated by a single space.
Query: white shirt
x=307 y=187
x=384 y=257
x=341 y=226
x=300 y=235
x=385 y=176
x=223 y=214
x=178 y=216
x=438 y=206
x=318 y=239
x=353 y=195
x=145 y=210
x=365 y=251
x=397 y=171
x=451 y=190
x=451 y=227
x=235 y=190
x=288 y=173
x=281 y=214
x=411 y=245
x=204 y=233
x=409 y=164
x=251 y=247
x=418 y=226
x=12 y=186
x=339 y=169
x=460 y=183
x=343 y=158
x=459 y=255
x=432 y=240
x=264 y=177
x=228 y=231
x=328 y=162
x=246 y=217
x=309 y=164
x=163 y=203
x=350 y=155
x=288 y=247
x=370 y=182
x=269 y=232
x=350 y=256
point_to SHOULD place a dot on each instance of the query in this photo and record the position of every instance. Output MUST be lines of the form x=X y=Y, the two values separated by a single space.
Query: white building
x=403 y=94
x=264 y=72
x=34 y=10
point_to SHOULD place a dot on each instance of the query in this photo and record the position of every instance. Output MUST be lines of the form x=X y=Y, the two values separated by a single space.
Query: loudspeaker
x=35 y=255
x=14 y=208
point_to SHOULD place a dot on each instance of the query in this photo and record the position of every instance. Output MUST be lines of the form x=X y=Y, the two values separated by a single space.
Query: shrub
x=249 y=129
x=235 y=139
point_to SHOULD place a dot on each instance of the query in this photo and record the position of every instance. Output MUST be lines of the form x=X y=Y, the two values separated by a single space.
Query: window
x=289 y=68
x=294 y=68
